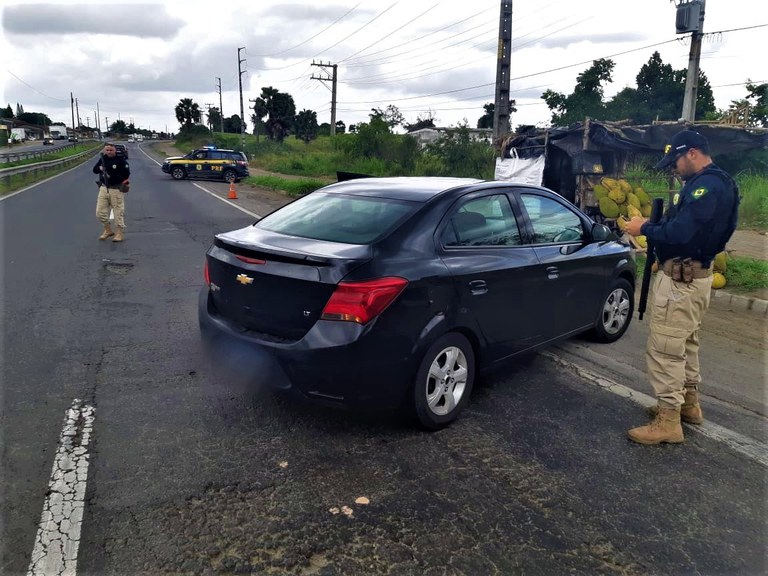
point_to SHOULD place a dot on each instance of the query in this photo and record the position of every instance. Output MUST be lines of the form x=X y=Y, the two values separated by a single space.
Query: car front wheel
x=615 y=312
x=444 y=381
x=178 y=173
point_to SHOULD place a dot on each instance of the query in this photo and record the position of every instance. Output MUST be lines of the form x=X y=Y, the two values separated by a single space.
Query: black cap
x=680 y=144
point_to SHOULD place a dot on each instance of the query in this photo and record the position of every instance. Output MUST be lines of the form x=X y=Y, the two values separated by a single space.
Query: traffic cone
x=232 y=192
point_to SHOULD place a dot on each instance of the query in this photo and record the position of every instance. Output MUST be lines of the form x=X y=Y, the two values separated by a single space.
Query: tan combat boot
x=107 y=232
x=665 y=428
x=118 y=235
x=690 y=411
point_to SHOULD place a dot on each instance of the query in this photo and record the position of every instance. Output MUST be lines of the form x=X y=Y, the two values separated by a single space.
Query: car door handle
x=552 y=272
x=478 y=287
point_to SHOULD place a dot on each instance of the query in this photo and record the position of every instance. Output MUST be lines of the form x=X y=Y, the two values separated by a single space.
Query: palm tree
x=187 y=112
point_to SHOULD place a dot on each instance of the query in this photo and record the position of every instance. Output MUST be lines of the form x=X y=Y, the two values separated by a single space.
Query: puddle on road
x=121 y=268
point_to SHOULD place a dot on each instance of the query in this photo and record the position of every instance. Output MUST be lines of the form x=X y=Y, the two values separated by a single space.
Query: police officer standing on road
x=113 y=173
x=696 y=226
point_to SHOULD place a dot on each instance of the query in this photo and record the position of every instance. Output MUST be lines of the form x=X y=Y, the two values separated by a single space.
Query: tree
x=341 y=127
x=280 y=111
x=6 y=112
x=587 y=97
x=758 y=100
x=486 y=120
x=425 y=121
x=391 y=115
x=214 y=118
x=187 y=112
x=37 y=118
x=19 y=110
x=305 y=125
x=119 y=127
x=232 y=124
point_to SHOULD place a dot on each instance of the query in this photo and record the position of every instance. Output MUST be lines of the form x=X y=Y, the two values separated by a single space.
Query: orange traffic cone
x=232 y=192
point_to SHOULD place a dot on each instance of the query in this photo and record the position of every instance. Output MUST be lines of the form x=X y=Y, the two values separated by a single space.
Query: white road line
x=58 y=535
x=749 y=447
x=226 y=201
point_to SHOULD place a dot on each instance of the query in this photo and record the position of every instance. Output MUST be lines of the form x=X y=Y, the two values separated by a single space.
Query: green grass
x=743 y=274
x=746 y=274
x=292 y=186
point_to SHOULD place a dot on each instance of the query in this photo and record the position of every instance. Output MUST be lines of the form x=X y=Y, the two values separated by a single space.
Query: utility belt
x=684 y=269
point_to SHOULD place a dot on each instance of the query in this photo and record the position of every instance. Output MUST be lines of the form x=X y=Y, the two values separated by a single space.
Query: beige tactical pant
x=111 y=199
x=672 y=352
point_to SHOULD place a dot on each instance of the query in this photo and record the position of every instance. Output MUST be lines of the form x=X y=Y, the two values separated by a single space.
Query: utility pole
x=106 y=122
x=242 y=113
x=77 y=110
x=690 y=18
x=98 y=120
x=333 y=91
x=221 y=109
x=72 y=107
x=501 y=106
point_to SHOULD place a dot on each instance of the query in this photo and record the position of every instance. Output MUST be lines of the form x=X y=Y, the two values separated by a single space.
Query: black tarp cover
x=614 y=137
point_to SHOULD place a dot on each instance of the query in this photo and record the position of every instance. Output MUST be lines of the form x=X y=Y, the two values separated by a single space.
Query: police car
x=208 y=162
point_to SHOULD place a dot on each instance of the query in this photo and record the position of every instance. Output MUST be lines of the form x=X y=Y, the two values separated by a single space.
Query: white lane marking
x=209 y=192
x=58 y=535
x=752 y=449
x=226 y=201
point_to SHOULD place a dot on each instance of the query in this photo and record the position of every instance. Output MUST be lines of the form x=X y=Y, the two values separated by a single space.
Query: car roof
x=413 y=188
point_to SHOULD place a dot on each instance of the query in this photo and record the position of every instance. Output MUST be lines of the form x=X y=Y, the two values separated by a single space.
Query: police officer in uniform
x=113 y=171
x=696 y=226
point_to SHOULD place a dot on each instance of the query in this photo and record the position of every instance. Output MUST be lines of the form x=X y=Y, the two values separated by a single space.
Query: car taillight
x=362 y=301
x=206 y=273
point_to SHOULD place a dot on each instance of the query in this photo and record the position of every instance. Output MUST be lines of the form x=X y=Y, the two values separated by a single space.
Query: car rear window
x=339 y=218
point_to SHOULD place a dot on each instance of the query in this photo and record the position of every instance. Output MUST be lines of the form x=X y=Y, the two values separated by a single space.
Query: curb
x=743 y=303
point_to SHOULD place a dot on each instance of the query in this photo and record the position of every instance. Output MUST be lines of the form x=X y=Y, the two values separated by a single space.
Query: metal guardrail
x=16 y=156
x=42 y=167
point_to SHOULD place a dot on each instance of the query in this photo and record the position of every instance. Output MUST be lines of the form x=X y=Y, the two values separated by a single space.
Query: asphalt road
x=188 y=475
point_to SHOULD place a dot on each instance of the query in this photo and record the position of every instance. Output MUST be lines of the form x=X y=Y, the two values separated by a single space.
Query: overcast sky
x=137 y=60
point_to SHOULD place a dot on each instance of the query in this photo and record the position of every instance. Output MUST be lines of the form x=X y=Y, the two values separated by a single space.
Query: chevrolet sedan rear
x=397 y=291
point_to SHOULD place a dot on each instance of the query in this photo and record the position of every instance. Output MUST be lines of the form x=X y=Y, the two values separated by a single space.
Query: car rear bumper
x=335 y=363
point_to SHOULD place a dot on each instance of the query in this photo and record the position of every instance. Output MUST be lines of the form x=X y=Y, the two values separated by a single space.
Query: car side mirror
x=601 y=233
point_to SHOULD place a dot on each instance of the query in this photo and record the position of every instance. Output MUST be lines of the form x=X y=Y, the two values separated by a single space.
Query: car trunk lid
x=276 y=284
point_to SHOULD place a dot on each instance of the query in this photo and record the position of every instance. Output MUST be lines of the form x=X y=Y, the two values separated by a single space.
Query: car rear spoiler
x=344 y=176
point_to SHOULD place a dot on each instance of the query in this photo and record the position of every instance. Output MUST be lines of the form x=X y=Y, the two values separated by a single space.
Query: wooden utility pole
x=242 y=113
x=221 y=109
x=72 y=107
x=501 y=107
x=333 y=91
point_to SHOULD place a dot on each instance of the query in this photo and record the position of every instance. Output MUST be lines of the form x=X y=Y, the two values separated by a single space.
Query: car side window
x=552 y=222
x=199 y=155
x=486 y=221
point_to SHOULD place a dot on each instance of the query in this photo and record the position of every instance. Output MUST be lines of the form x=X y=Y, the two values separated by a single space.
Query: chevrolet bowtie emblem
x=244 y=279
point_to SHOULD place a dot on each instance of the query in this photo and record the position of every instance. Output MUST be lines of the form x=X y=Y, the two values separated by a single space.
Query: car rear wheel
x=444 y=381
x=230 y=176
x=615 y=312
x=178 y=173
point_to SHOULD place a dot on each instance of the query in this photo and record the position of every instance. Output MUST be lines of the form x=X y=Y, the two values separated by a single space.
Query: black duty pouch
x=677 y=270
x=687 y=270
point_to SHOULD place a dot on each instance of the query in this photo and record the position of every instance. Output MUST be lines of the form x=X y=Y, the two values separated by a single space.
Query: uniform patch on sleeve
x=699 y=192
x=676 y=198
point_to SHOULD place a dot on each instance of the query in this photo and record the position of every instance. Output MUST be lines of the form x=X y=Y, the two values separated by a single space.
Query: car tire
x=615 y=314
x=230 y=176
x=444 y=381
x=178 y=173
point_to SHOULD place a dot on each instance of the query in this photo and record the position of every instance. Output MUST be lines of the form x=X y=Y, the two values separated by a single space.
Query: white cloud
x=136 y=60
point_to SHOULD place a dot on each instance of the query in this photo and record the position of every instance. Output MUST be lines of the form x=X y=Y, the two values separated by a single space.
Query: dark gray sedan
x=392 y=291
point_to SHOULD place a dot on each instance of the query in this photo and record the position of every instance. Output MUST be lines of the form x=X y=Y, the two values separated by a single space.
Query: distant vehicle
x=47 y=140
x=208 y=162
x=73 y=139
x=131 y=139
x=121 y=150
